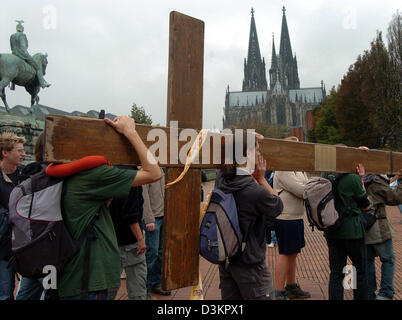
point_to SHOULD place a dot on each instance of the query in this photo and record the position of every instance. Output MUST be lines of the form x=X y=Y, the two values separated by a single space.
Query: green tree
x=139 y=115
x=379 y=95
x=326 y=129
x=368 y=110
x=352 y=115
x=394 y=36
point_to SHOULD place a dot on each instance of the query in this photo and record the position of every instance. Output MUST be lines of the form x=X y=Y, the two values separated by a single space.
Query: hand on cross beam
x=150 y=169
x=122 y=124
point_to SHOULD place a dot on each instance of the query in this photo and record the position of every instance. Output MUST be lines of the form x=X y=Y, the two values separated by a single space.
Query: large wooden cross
x=69 y=138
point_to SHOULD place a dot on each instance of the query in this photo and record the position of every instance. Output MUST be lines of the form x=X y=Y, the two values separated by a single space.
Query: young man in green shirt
x=348 y=239
x=86 y=195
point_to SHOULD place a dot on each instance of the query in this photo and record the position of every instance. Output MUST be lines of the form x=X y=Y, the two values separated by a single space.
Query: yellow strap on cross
x=197 y=293
x=194 y=151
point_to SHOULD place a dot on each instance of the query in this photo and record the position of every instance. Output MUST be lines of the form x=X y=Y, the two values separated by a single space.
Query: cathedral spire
x=288 y=63
x=285 y=50
x=274 y=61
x=254 y=67
x=254 y=55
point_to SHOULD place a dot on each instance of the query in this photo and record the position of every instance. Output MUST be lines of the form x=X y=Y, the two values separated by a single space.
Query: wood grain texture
x=68 y=138
x=180 y=262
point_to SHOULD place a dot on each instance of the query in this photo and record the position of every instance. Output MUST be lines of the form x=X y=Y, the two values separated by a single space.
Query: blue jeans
x=385 y=251
x=93 y=295
x=30 y=289
x=7 y=281
x=273 y=237
x=153 y=241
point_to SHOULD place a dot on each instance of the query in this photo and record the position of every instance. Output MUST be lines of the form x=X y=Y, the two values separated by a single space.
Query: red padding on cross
x=68 y=169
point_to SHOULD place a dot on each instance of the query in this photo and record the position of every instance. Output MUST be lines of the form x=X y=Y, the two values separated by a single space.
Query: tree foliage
x=366 y=109
x=394 y=37
x=139 y=115
x=326 y=129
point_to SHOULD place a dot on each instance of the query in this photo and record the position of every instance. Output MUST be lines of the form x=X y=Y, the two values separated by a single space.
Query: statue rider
x=19 y=46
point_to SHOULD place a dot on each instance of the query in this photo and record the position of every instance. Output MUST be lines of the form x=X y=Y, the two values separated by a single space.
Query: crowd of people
x=126 y=206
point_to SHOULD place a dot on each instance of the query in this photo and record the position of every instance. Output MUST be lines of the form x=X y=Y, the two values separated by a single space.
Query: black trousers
x=347 y=277
x=240 y=281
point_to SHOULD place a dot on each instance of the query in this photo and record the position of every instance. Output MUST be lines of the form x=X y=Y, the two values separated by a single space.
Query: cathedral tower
x=254 y=68
x=288 y=64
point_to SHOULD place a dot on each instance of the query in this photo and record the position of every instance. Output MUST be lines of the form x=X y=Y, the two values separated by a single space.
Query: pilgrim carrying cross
x=69 y=138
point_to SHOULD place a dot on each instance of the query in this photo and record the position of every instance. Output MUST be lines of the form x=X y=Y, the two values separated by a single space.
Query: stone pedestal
x=28 y=127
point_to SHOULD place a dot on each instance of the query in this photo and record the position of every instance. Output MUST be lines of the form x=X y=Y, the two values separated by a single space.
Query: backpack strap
x=88 y=236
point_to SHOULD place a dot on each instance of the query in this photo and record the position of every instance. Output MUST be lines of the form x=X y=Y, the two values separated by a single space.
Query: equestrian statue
x=22 y=69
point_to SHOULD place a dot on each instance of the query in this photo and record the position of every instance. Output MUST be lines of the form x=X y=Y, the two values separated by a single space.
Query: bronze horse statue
x=15 y=71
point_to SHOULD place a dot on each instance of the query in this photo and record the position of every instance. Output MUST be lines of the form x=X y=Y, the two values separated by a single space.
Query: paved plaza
x=312 y=266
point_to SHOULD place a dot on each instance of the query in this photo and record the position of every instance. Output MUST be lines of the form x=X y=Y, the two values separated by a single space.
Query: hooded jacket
x=381 y=194
x=255 y=207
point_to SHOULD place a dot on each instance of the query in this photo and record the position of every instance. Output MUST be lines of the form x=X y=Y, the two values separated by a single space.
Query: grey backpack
x=319 y=202
x=40 y=237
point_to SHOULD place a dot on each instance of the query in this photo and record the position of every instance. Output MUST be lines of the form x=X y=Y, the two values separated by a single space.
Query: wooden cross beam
x=69 y=138
x=66 y=141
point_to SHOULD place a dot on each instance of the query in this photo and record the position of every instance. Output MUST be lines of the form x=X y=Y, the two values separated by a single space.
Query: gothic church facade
x=283 y=102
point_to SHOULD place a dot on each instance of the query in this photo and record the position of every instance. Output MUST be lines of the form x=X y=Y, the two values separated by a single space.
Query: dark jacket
x=125 y=212
x=255 y=205
x=6 y=186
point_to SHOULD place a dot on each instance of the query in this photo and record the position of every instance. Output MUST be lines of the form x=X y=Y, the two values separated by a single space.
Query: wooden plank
x=310 y=157
x=70 y=138
x=182 y=200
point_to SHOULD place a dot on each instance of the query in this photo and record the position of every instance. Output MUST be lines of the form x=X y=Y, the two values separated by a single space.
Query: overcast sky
x=108 y=54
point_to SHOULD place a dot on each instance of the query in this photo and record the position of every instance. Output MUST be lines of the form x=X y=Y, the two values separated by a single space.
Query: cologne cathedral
x=283 y=102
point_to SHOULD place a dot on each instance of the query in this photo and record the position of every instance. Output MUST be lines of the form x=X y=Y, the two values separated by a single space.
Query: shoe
x=271 y=245
x=295 y=292
x=158 y=290
x=281 y=295
x=382 y=298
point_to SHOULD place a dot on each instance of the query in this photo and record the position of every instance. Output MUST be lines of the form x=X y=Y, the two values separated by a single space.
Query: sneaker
x=158 y=290
x=295 y=292
x=271 y=245
x=281 y=295
x=382 y=298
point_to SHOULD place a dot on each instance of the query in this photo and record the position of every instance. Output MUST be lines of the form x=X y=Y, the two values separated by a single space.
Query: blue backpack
x=220 y=235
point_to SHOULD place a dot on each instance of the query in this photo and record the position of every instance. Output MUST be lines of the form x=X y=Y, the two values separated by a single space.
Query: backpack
x=220 y=235
x=40 y=237
x=319 y=202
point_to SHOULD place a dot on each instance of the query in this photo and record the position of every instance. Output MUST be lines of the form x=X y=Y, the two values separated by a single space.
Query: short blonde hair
x=8 y=140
